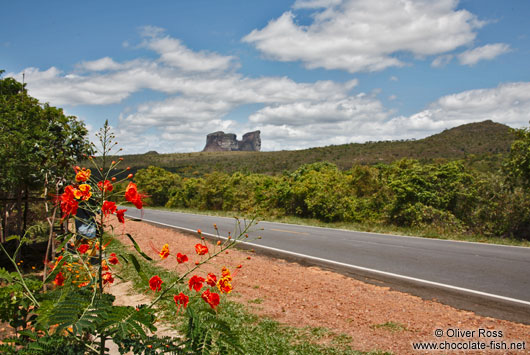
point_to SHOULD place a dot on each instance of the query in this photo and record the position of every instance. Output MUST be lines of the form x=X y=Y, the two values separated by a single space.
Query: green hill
x=482 y=145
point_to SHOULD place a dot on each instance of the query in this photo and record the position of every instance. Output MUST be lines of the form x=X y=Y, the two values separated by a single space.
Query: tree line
x=444 y=196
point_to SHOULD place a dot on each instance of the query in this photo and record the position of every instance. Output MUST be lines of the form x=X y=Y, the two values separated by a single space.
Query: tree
x=517 y=165
x=38 y=145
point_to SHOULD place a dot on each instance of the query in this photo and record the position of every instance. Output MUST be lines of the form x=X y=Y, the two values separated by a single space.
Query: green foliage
x=439 y=194
x=156 y=182
x=207 y=334
x=15 y=308
x=517 y=165
x=38 y=144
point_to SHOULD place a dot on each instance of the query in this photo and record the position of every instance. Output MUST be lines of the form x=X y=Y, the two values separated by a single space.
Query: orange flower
x=224 y=285
x=59 y=279
x=201 y=249
x=108 y=207
x=82 y=175
x=155 y=283
x=164 y=253
x=196 y=283
x=83 y=248
x=83 y=284
x=113 y=259
x=57 y=261
x=181 y=300
x=226 y=273
x=211 y=298
x=105 y=186
x=120 y=215
x=181 y=258
x=107 y=278
x=132 y=195
x=211 y=279
x=104 y=266
x=83 y=192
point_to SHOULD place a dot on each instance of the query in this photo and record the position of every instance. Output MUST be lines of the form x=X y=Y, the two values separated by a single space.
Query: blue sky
x=304 y=72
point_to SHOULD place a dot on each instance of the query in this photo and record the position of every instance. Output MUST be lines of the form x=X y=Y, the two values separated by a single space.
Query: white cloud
x=315 y=4
x=102 y=64
x=291 y=115
x=487 y=52
x=363 y=35
x=442 y=61
x=174 y=53
x=363 y=118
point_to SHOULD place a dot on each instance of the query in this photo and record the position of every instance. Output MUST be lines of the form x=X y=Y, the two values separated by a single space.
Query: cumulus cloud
x=365 y=35
x=364 y=118
x=487 y=52
x=290 y=114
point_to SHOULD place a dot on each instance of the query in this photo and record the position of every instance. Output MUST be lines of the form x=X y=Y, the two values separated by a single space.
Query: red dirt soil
x=309 y=296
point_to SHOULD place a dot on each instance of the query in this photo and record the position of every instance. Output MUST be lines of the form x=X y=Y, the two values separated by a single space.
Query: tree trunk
x=26 y=206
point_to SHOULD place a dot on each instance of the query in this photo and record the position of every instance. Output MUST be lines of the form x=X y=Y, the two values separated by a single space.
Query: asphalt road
x=491 y=279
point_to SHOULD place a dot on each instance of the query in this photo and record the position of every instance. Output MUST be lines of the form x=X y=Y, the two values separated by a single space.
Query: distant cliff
x=220 y=141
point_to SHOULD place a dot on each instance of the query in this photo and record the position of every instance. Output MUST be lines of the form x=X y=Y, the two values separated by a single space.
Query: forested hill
x=481 y=144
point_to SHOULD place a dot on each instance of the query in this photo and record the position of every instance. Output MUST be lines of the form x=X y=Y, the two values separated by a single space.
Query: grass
x=390 y=326
x=257 y=335
x=371 y=228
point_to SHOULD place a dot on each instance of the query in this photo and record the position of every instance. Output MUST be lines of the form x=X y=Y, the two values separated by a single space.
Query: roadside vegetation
x=444 y=198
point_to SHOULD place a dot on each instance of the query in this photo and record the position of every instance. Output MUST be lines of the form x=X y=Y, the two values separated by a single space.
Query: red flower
x=211 y=279
x=132 y=195
x=107 y=278
x=201 y=249
x=181 y=258
x=68 y=202
x=155 y=283
x=181 y=300
x=196 y=283
x=108 y=207
x=83 y=248
x=164 y=253
x=114 y=259
x=120 y=215
x=82 y=175
x=211 y=298
x=105 y=186
x=59 y=279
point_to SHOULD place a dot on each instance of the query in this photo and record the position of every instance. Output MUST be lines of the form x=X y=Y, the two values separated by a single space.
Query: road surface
x=490 y=279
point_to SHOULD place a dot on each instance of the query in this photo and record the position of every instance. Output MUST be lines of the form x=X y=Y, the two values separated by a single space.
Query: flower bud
x=129 y=176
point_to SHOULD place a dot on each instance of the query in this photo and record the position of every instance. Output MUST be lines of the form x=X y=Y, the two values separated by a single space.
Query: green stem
x=13 y=261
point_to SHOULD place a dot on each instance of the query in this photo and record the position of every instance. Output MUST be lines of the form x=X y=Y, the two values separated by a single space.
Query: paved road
x=499 y=273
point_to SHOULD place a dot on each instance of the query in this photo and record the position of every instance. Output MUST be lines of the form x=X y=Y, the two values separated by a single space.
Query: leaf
x=137 y=247
x=138 y=267
x=12 y=237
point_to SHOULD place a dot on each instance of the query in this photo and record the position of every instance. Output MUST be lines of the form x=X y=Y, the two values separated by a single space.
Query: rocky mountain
x=220 y=142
